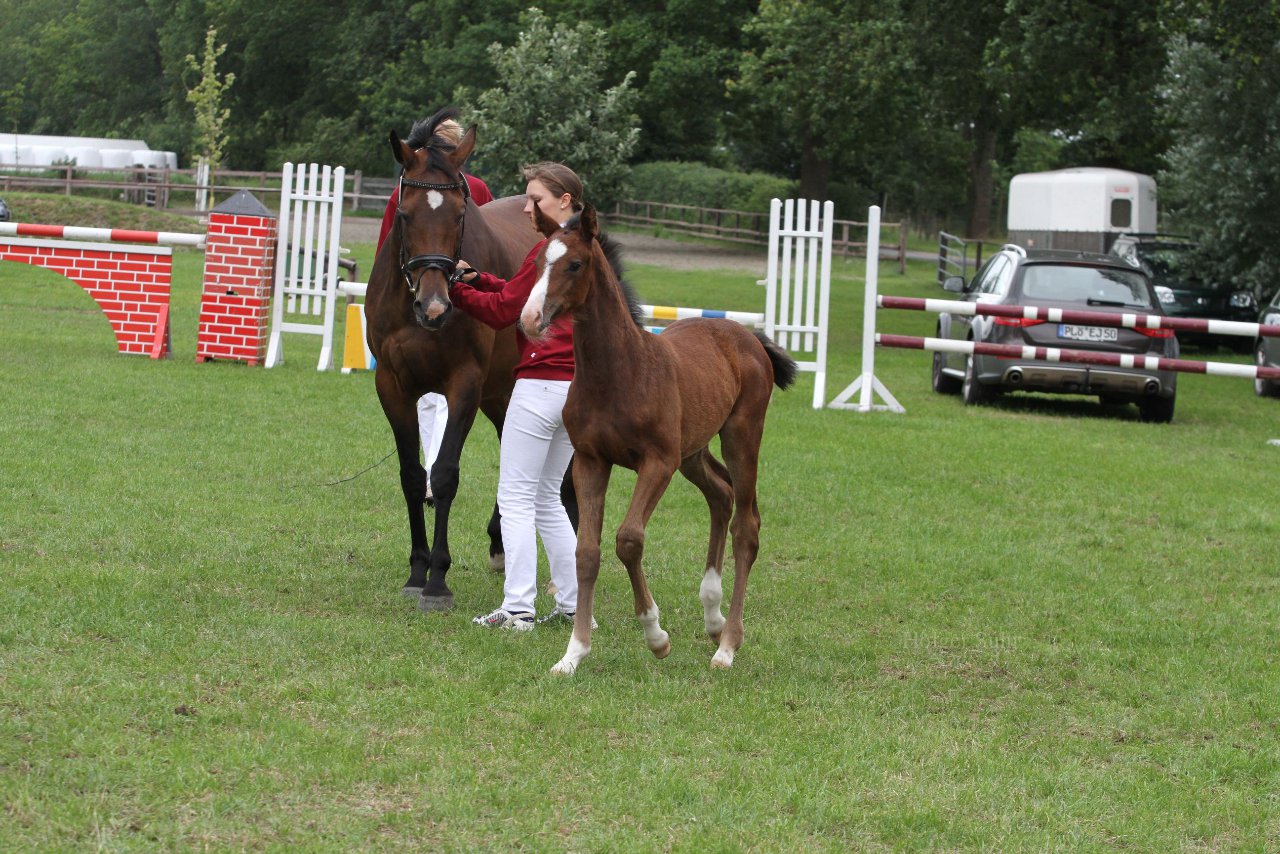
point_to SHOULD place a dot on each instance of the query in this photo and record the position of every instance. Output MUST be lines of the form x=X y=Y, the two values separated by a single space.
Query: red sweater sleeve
x=388 y=217
x=480 y=193
x=497 y=303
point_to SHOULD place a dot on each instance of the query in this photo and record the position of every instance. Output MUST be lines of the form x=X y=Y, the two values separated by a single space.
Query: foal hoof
x=410 y=592
x=498 y=562
x=429 y=604
x=663 y=647
x=722 y=660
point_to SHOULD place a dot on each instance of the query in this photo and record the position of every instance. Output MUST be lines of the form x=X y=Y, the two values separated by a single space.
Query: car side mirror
x=954 y=284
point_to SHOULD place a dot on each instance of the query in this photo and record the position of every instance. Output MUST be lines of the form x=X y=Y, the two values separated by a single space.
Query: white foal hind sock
x=711 y=594
x=654 y=636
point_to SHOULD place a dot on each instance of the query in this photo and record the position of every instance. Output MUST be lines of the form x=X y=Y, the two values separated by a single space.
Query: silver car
x=1081 y=281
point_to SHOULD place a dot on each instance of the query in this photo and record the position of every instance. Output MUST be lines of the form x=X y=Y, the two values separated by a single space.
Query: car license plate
x=1094 y=334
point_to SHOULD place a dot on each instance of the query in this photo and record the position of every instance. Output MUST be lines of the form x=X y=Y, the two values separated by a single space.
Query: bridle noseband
x=444 y=263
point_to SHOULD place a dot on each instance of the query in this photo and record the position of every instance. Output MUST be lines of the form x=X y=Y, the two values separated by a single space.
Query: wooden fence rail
x=752 y=227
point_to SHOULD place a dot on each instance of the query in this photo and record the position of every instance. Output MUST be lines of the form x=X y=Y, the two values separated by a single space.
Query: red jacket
x=479 y=194
x=498 y=304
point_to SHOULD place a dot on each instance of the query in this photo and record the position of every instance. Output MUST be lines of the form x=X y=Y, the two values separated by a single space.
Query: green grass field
x=1039 y=625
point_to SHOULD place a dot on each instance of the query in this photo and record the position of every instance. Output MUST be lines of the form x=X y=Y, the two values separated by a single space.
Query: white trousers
x=534 y=457
x=433 y=412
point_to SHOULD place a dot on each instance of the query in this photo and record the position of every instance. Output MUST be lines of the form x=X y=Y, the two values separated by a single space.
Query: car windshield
x=1168 y=266
x=1085 y=285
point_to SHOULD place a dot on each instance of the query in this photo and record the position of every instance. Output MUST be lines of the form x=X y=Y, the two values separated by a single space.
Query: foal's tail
x=784 y=367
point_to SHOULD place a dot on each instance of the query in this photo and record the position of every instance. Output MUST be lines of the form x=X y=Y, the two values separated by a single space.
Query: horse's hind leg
x=495 y=409
x=707 y=473
x=740 y=442
x=652 y=480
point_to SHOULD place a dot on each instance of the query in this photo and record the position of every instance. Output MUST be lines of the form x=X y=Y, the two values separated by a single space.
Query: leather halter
x=444 y=263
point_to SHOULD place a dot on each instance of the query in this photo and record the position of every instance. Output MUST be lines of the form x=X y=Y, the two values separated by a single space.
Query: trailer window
x=1121 y=213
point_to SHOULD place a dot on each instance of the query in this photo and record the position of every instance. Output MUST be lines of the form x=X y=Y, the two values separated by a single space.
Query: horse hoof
x=662 y=651
x=410 y=591
x=564 y=667
x=715 y=636
x=430 y=604
x=722 y=660
x=498 y=562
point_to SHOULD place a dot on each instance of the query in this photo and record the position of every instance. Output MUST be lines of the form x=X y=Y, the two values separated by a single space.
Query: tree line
x=926 y=107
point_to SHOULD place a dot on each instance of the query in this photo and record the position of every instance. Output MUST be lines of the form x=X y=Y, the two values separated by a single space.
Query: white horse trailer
x=1084 y=208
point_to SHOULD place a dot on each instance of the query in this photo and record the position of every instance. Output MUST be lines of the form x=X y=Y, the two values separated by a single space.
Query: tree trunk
x=815 y=172
x=980 y=180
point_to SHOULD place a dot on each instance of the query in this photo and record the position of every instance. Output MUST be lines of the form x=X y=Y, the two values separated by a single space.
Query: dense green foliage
x=925 y=107
x=1036 y=626
x=592 y=129
x=706 y=186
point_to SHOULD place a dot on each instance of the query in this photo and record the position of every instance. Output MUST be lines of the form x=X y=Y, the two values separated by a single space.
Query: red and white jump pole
x=1092 y=318
x=1087 y=357
x=113 y=235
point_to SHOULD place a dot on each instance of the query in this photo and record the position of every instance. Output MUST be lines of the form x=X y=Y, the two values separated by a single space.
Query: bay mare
x=422 y=345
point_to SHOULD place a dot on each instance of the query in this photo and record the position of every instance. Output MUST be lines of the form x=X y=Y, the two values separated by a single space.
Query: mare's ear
x=465 y=147
x=399 y=150
x=587 y=222
x=545 y=224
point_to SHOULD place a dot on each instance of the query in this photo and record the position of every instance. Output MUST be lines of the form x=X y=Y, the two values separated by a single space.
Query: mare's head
x=575 y=259
x=431 y=214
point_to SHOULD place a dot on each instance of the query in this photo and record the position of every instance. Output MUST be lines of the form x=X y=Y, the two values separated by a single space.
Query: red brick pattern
x=235 y=307
x=130 y=284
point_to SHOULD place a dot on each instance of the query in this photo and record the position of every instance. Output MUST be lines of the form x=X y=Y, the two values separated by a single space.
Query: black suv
x=1077 y=281
x=1164 y=258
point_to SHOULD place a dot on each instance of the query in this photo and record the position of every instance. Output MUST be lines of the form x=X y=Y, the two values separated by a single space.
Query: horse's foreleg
x=591 y=480
x=712 y=479
x=402 y=415
x=742 y=452
x=436 y=595
x=652 y=480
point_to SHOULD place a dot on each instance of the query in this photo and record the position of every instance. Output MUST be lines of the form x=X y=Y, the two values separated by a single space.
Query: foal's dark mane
x=423 y=136
x=613 y=254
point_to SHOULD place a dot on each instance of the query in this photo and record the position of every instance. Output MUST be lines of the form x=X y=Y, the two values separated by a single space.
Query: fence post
x=902 y=247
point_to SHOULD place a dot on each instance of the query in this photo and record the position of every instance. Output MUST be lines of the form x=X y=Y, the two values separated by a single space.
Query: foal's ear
x=587 y=222
x=399 y=149
x=545 y=224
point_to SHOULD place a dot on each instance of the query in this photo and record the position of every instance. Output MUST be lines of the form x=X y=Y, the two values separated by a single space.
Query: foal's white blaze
x=711 y=594
x=658 y=640
x=434 y=199
x=572 y=657
x=531 y=314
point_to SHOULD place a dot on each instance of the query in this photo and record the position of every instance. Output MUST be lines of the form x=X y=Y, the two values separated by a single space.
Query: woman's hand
x=464 y=272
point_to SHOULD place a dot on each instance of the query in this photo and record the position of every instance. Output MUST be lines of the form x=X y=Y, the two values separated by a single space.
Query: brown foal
x=652 y=403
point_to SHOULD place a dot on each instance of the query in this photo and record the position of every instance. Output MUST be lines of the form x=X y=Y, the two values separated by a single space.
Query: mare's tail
x=784 y=367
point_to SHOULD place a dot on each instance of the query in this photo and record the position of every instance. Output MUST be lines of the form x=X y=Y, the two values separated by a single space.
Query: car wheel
x=943 y=383
x=1156 y=410
x=1261 y=387
x=973 y=392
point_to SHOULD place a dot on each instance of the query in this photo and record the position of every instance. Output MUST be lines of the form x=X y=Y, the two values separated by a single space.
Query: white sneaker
x=559 y=616
x=521 y=621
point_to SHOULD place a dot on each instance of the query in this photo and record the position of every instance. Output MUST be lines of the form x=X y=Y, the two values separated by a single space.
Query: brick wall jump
x=131 y=284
